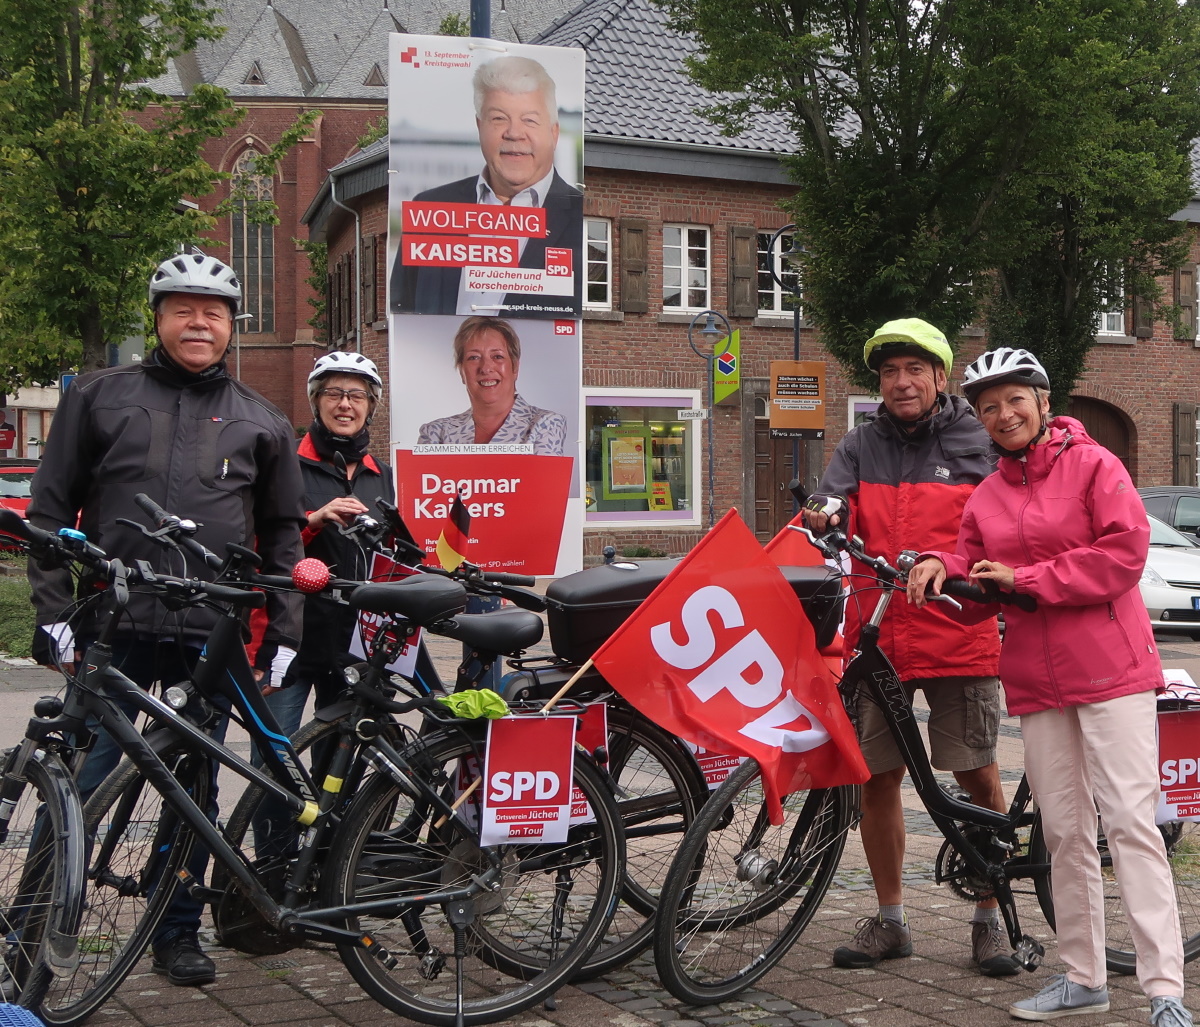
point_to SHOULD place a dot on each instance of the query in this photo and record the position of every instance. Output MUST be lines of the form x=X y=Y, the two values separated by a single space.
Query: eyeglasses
x=337 y=395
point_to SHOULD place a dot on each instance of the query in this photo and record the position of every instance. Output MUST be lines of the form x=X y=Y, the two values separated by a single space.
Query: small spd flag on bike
x=452 y=543
x=723 y=655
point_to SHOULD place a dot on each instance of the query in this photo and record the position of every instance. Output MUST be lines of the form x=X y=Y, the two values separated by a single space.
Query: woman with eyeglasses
x=487 y=356
x=343 y=390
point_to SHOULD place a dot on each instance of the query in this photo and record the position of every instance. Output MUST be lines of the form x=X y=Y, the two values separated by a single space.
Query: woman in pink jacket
x=1060 y=520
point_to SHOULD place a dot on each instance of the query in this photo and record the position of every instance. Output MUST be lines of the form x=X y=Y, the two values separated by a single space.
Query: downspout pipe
x=357 y=262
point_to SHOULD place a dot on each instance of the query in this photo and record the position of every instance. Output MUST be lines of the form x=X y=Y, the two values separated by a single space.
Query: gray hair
x=514 y=75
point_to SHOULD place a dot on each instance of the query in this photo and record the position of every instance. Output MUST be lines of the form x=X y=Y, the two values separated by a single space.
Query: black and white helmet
x=339 y=362
x=195 y=273
x=999 y=366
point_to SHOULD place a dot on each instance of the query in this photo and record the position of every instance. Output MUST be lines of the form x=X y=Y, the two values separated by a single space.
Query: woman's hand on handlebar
x=991 y=570
x=927 y=575
x=341 y=510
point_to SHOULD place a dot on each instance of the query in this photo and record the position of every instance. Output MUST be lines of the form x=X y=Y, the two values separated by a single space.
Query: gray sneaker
x=990 y=950
x=1061 y=997
x=875 y=939
x=1169 y=1011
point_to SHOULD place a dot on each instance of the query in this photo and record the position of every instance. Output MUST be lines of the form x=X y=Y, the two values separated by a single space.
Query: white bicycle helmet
x=1003 y=365
x=195 y=273
x=339 y=362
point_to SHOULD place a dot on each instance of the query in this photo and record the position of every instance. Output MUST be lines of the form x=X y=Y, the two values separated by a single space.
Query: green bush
x=16 y=615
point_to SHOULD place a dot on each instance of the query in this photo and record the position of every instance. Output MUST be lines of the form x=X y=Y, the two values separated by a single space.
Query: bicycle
x=739 y=895
x=428 y=867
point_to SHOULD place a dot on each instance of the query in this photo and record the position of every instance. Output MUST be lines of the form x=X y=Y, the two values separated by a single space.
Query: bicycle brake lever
x=930 y=598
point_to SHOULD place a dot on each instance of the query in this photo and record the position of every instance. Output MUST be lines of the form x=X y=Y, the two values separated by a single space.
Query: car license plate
x=1196 y=602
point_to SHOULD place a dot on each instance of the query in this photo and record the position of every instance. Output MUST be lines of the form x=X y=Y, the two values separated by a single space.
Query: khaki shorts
x=964 y=719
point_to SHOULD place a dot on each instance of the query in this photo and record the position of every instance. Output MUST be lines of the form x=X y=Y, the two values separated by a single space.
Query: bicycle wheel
x=41 y=877
x=524 y=941
x=1182 y=841
x=740 y=890
x=136 y=846
x=659 y=790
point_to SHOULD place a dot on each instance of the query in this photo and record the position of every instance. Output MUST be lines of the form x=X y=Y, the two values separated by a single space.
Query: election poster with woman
x=485 y=250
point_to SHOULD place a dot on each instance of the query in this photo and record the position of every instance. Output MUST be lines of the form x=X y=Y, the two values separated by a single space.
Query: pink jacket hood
x=1067 y=517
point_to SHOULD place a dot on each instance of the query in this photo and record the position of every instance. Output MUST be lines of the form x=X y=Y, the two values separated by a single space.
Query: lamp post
x=790 y=254
x=237 y=343
x=712 y=338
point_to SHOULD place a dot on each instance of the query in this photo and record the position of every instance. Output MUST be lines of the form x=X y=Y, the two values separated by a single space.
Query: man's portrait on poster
x=487 y=356
x=516 y=115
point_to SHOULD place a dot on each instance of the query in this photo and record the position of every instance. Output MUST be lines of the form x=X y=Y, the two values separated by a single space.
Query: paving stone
x=639 y=1004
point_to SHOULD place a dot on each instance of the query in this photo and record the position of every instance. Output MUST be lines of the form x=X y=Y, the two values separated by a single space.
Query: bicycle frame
x=872 y=669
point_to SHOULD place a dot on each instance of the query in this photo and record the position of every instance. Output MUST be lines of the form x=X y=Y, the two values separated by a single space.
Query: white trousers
x=1104 y=756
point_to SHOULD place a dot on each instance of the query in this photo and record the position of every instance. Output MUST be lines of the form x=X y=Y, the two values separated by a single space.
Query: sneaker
x=990 y=950
x=181 y=960
x=875 y=939
x=1061 y=997
x=1168 y=1011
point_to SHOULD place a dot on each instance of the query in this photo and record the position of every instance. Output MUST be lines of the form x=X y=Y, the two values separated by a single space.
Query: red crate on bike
x=587 y=607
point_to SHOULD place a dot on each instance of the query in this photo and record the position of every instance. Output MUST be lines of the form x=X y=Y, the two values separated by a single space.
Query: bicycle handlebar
x=993 y=594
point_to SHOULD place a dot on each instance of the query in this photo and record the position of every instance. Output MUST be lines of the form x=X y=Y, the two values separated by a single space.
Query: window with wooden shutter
x=1143 y=317
x=367 y=284
x=1185 y=300
x=743 y=271
x=635 y=284
x=1185 y=442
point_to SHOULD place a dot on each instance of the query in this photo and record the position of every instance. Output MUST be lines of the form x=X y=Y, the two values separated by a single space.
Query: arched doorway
x=1104 y=423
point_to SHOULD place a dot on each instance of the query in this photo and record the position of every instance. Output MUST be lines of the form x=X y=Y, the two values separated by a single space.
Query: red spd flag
x=791 y=549
x=722 y=655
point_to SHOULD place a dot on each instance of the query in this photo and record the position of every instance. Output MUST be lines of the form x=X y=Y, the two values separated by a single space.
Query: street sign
x=691 y=415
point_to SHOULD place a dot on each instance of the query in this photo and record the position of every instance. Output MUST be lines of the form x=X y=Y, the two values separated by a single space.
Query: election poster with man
x=485 y=272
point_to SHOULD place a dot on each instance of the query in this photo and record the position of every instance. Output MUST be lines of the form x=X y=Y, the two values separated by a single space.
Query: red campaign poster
x=1179 y=765
x=592 y=734
x=715 y=766
x=517 y=503
x=528 y=780
x=384 y=568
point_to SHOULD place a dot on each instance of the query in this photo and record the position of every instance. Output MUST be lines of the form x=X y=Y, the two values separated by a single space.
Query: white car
x=1170 y=583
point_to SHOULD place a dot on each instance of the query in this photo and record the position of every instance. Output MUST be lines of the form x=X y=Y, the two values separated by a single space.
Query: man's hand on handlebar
x=926 y=575
x=341 y=510
x=991 y=570
x=824 y=512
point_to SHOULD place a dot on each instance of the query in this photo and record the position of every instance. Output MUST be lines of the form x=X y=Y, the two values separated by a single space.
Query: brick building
x=679 y=219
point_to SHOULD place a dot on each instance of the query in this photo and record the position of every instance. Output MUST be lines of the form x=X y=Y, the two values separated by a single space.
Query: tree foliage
x=93 y=164
x=939 y=141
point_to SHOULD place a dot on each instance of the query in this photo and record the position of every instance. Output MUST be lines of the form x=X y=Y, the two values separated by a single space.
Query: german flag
x=452 y=543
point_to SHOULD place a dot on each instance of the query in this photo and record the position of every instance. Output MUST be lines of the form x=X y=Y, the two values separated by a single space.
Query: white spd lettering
x=505 y=786
x=1179 y=772
x=749 y=670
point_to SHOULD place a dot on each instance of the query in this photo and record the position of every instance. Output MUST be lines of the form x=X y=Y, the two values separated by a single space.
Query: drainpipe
x=357 y=263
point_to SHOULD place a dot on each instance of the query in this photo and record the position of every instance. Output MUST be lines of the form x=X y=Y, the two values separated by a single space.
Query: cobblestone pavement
x=936 y=986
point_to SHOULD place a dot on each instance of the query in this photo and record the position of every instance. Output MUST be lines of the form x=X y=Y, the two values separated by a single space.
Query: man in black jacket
x=201 y=444
x=516 y=114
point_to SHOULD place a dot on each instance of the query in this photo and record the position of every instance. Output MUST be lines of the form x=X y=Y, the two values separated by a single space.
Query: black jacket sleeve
x=278 y=518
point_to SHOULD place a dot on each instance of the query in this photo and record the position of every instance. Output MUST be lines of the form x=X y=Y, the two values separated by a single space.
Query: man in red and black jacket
x=902 y=480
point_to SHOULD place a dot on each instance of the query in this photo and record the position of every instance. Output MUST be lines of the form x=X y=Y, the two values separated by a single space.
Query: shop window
x=598 y=235
x=642 y=458
x=686 y=277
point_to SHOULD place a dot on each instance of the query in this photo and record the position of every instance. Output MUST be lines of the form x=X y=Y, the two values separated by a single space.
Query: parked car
x=1170 y=582
x=15 y=476
x=1177 y=505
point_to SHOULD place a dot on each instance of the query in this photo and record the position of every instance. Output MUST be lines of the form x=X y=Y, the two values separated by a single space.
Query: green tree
x=93 y=164
x=934 y=140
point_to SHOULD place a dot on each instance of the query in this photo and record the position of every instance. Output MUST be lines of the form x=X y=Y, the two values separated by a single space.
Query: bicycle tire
x=741 y=891
x=136 y=844
x=660 y=789
x=1182 y=841
x=41 y=879
x=390 y=845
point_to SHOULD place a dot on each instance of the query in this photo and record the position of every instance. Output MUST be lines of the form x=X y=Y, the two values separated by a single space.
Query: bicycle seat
x=422 y=600
x=501 y=631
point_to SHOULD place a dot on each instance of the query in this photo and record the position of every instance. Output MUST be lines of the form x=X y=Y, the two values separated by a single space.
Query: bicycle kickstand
x=461 y=915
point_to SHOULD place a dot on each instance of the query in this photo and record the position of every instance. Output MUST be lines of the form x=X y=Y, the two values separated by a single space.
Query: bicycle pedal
x=1029 y=953
x=431 y=964
x=197 y=890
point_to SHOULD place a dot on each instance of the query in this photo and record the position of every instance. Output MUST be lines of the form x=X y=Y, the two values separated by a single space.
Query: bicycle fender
x=61 y=953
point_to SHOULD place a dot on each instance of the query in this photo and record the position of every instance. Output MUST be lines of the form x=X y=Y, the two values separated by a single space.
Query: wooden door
x=1103 y=423
x=772 y=471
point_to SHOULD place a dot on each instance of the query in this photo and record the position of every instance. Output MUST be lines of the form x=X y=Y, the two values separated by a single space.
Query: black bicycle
x=741 y=891
x=404 y=866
